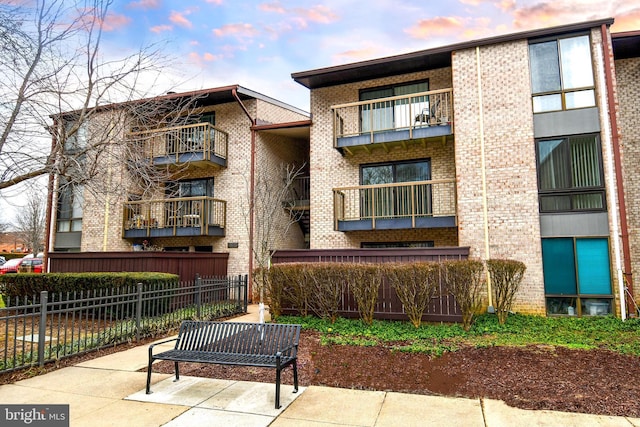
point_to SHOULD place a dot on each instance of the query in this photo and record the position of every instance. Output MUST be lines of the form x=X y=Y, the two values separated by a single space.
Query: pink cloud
x=201 y=60
x=161 y=28
x=320 y=14
x=275 y=7
x=239 y=31
x=627 y=21
x=180 y=19
x=216 y=2
x=144 y=4
x=556 y=13
x=441 y=25
x=355 y=55
x=114 y=22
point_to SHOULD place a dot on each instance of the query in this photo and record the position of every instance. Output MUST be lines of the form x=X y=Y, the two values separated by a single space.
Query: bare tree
x=30 y=222
x=53 y=69
x=273 y=193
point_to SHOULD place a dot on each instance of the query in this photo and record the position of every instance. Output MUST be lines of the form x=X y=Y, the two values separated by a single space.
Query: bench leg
x=278 y=388
x=295 y=376
x=177 y=371
x=149 y=376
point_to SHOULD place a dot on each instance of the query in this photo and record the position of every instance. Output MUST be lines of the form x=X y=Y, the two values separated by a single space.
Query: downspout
x=485 y=213
x=615 y=140
x=251 y=187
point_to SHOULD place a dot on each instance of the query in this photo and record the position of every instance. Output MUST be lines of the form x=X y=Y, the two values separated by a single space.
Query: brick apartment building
x=520 y=146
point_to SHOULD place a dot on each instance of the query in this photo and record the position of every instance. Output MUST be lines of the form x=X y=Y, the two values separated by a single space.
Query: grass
x=519 y=330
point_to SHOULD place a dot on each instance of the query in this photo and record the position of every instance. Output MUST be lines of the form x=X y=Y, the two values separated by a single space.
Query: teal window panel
x=594 y=271
x=558 y=263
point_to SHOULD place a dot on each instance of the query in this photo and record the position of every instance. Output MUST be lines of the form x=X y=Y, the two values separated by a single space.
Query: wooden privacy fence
x=184 y=264
x=443 y=307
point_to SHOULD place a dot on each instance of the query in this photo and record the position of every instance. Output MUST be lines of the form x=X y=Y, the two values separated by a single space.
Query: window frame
x=562 y=91
x=571 y=191
x=73 y=193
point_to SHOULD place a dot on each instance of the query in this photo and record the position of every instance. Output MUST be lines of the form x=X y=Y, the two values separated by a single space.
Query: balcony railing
x=420 y=204
x=188 y=216
x=382 y=120
x=182 y=144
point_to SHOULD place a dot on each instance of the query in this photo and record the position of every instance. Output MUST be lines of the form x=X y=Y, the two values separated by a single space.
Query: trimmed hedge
x=29 y=284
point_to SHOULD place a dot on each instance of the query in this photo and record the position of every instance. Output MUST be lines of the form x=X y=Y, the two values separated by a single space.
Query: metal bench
x=268 y=345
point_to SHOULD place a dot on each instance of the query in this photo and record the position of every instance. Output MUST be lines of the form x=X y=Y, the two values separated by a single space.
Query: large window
x=75 y=136
x=392 y=114
x=570 y=176
x=562 y=74
x=391 y=201
x=70 y=201
x=577 y=275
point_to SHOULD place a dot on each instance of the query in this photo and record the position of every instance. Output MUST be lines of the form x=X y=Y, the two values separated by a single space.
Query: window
x=190 y=188
x=392 y=114
x=75 y=136
x=562 y=74
x=577 y=275
x=388 y=201
x=570 y=176
x=70 y=201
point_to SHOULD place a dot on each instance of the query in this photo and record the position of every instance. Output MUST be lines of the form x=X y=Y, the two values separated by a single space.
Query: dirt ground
x=535 y=377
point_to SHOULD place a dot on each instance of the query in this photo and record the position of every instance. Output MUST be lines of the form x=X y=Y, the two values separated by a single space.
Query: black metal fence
x=48 y=326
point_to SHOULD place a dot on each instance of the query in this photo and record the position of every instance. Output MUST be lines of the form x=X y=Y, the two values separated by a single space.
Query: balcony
x=188 y=216
x=393 y=121
x=200 y=143
x=406 y=205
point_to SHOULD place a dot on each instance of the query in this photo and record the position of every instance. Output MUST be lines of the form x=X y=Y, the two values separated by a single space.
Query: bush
x=415 y=284
x=364 y=281
x=325 y=283
x=506 y=276
x=277 y=285
x=464 y=280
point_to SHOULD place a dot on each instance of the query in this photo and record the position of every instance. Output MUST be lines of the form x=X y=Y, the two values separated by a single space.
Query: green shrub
x=415 y=284
x=506 y=276
x=464 y=280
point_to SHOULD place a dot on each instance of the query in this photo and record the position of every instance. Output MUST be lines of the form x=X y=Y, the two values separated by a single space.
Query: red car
x=31 y=265
x=11 y=266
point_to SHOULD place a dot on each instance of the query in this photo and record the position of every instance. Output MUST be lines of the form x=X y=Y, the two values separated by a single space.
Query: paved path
x=109 y=391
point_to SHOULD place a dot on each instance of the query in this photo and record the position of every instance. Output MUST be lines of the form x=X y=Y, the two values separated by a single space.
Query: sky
x=258 y=44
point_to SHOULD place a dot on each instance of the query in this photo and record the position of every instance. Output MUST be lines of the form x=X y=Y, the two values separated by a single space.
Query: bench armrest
x=279 y=352
x=161 y=342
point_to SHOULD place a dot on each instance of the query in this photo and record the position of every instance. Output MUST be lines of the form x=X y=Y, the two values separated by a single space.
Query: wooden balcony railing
x=188 y=216
x=407 y=113
x=411 y=202
x=181 y=144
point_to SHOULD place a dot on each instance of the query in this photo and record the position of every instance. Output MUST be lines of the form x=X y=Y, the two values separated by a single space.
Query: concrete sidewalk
x=109 y=391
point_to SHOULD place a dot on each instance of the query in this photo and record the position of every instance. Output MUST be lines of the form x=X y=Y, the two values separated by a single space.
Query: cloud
x=557 y=13
x=627 y=21
x=319 y=14
x=114 y=22
x=274 y=7
x=238 y=31
x=440 y=25
x=180 y=19
x=216 y=2
x=355 y=55
x=161 y=28
x=144 y=4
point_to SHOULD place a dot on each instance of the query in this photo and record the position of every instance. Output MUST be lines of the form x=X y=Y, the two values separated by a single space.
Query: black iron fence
x=48 y=326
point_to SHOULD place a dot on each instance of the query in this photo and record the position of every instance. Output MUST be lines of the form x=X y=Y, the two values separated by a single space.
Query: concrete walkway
x=108 y=391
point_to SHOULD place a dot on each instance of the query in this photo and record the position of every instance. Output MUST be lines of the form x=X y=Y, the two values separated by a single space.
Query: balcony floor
x=394 y=136
x=137 y=233
x=397 y=223
x=187 y=158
